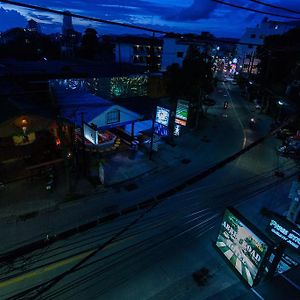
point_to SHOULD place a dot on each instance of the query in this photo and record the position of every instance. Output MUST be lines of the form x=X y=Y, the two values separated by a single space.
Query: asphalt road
x=156 y=256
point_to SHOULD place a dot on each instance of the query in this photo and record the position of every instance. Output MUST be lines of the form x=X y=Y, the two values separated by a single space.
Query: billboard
x=182 y=110
x=243 y=249
x=162 y=116
x=285 y=231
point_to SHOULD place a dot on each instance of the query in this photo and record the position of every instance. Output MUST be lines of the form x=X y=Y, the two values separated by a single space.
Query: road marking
x=257 y=294
x=44 y=269
x=237 y=116
x=52 y=266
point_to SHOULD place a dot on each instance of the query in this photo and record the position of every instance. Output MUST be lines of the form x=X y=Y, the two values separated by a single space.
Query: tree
x=198 y=78
x=279 y=57
x=279 y=66
x=192 y=81
x=89 y=44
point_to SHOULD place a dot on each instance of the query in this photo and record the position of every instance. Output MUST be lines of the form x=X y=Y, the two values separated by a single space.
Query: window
x=261 y=36
x=253 y=36
x=250 y=46
x=180 y=54
x=113 y=116
x=276 y=27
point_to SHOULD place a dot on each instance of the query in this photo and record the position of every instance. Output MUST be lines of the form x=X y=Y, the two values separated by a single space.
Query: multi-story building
x=175 y=48
x=141 y=51
x=246 y=51
x=67 y=23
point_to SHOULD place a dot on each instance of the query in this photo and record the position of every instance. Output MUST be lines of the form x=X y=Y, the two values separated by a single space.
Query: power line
x=276 y=6
x=58 y=12
x=255 y=10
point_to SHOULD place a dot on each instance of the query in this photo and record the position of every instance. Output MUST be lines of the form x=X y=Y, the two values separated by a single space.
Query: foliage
x=280 y=59
x=26 y=45
x=193 y=78
x=89 y=44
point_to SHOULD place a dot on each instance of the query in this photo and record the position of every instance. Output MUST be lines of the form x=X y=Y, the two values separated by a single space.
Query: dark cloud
x=200 y=9
x=6 y=16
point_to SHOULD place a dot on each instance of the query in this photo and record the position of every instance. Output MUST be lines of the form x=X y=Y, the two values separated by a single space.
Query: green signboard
x=244 y=250
x=182 y=110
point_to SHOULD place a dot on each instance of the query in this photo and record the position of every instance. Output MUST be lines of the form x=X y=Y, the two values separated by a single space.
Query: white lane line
x=295 y=285
x=237 y=116
x=257 y=294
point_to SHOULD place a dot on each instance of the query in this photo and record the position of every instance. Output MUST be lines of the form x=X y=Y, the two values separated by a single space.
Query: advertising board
x=243 y=249
x=161 y=130
x=162 y=116
x=285 y=231
x=180 y=122
x=182 y=110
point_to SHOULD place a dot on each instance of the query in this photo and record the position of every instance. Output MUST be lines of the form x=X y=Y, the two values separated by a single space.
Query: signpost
x=241 y=246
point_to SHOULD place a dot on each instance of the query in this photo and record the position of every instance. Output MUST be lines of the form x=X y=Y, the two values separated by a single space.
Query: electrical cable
x=58 y=12
x=255 y=10
x=276 y=6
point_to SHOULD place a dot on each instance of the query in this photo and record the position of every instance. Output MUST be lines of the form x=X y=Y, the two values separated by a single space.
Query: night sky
x=170 y=15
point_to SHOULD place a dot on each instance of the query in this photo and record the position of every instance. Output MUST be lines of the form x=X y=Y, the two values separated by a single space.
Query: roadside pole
x=152 y=134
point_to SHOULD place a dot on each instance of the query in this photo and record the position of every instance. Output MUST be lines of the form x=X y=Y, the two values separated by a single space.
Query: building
x=142 y=51
x=67 y=23
x=33 y=26
x=246 y=51
x=175 y=48
x=70 y=41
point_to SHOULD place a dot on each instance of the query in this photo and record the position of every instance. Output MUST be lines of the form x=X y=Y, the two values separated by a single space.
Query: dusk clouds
x=169 y=15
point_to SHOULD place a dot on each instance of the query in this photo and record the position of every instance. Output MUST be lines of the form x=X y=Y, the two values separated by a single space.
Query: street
x=156 y=256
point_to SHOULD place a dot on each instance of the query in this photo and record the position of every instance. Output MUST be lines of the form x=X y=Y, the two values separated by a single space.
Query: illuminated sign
x=176 y=130
x=180 y=122
x=90 y=134
x=244 y=250
x=161 y=130
x=285 y=231
x=162 y=116
x=182 y=111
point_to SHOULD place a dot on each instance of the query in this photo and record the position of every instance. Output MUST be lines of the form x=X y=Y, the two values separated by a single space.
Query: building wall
x=137 y=54
x=100 y=120
x=170 y=53
x=124 y=53
x=256 y=36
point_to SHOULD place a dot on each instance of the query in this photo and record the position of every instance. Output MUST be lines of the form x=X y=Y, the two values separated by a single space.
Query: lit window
x=276 y=26
x=113 y=116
